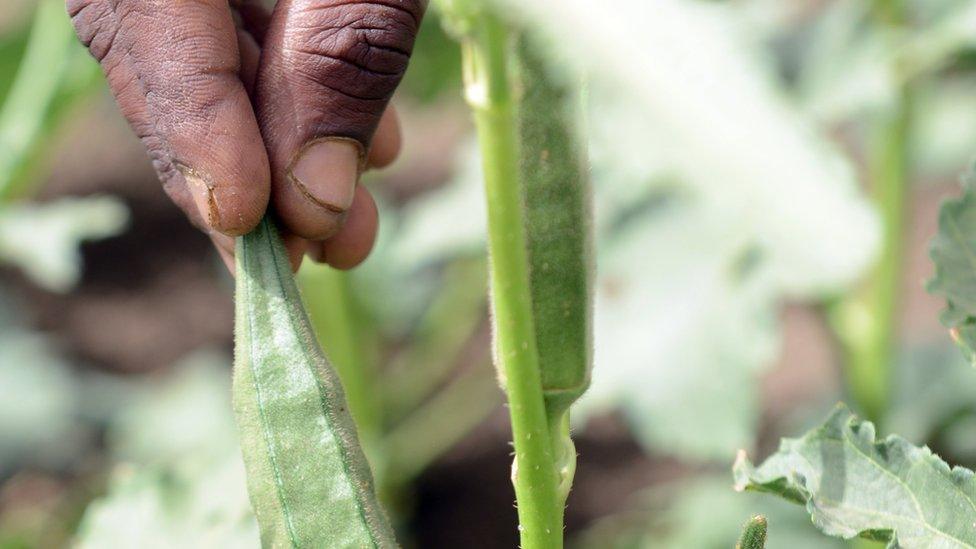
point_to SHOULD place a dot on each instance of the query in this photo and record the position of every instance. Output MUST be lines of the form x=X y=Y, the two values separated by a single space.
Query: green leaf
x=435 y=64
x=854 y=485
x=753 y=534
x=308 y=480
x=12 y=45
x=953 y=251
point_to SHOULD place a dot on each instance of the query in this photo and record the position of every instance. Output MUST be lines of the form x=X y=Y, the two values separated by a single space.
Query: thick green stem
x=487 y=51
x=445 y=328
x=441 y=422
x=870 y=350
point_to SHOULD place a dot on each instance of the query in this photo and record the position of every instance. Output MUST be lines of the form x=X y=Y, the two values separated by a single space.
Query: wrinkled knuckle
x=96 y=23
x=358 y=49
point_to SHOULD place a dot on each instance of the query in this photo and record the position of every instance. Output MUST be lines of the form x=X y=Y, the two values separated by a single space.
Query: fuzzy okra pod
x=308 y=480
x=556 y=198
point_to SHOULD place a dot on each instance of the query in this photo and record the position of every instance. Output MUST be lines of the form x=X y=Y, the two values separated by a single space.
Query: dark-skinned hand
x=241 y=108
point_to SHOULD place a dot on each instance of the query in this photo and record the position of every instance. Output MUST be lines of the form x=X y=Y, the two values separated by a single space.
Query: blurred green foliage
x=703 y=513
x=44 y=75
x=435 y=68
x=953 y=251
x=177 y=477
x=51 y=76
x=721 y=193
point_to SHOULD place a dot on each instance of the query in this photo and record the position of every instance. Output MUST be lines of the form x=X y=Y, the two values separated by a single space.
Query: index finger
x=174 y=70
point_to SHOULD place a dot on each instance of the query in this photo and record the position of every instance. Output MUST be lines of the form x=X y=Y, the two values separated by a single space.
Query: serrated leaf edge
x=795 y=487
x=952 y=317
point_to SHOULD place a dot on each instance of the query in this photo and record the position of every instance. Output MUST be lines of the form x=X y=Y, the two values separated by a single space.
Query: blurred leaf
x=953 y=250
x=163 y=508
x=43 y=239
x=703 y=513
x=435 y=65
x=685 y=319
x=438 y=337
x=180 y=481
x=958 y=437
x=38 y=401
x=945 y=125
x=854 y=485
x=12 y=45
x=404 y=272
x=188 y=413
x=946 y=32
x=421 y=238
x=845 y=67
x=934 y=389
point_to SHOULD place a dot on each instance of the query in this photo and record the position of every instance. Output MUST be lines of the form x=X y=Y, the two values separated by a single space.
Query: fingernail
x=202 y=192
x=326 y=172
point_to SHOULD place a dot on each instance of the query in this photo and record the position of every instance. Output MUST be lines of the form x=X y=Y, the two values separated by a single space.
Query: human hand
x=238 y=107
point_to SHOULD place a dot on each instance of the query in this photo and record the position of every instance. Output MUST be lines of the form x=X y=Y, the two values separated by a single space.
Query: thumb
x=328 y=70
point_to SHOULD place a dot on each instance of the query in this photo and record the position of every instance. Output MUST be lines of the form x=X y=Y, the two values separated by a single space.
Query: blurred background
x=767 y=177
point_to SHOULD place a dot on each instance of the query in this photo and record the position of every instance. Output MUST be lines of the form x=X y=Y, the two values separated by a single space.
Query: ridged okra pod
x=308 y=480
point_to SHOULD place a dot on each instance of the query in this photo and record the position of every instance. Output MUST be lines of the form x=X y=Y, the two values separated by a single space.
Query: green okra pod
x=556 y=195
x=308 y=480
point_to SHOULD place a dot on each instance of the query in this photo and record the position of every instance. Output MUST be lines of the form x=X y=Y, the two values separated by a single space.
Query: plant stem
x=486 y=52
x=441 y=422
x=442 y=333
x=871 y=350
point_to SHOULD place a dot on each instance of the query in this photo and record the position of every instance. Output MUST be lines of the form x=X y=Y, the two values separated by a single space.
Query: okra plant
x=308 y=479
x=312 y=433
